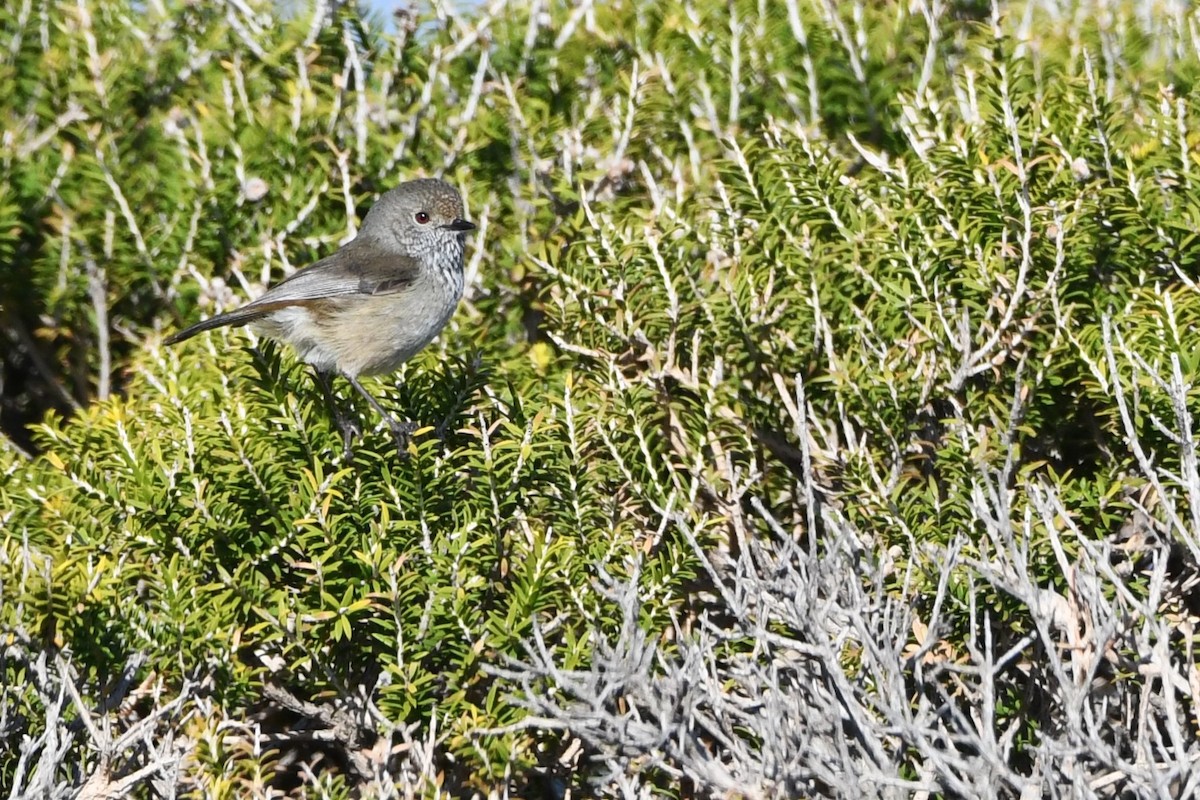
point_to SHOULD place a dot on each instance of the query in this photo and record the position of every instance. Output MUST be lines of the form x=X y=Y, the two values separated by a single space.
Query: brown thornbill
x=373 y=304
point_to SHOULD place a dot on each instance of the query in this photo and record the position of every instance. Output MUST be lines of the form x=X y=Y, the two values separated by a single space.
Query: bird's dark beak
x=459 y=226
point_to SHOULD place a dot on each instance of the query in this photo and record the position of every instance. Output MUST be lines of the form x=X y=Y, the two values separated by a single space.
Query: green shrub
x=821 y=405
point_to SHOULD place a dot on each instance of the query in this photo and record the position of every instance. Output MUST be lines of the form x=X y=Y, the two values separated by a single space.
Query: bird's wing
x=351 y=270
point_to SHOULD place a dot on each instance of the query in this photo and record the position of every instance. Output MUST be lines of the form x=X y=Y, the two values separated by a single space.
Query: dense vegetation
x=820 y=419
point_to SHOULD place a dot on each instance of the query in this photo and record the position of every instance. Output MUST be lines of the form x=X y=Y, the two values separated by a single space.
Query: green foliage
x=673 y=268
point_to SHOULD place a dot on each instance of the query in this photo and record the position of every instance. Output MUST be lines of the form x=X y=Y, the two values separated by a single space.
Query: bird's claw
x=402 y=432
x=351 y=430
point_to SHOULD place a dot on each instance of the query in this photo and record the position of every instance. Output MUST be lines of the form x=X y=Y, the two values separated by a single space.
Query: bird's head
x=418 y=217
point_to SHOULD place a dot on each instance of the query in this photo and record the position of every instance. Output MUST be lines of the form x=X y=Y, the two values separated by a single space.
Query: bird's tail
x=235 y=318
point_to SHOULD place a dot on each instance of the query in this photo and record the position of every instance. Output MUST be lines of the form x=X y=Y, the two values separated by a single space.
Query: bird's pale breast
x=365 y=334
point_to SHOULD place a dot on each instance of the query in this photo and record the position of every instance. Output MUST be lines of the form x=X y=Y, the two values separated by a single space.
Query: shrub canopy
x=822 y=403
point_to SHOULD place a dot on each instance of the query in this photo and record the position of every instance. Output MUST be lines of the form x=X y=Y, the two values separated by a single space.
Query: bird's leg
x=400 y=430
x=344 y=422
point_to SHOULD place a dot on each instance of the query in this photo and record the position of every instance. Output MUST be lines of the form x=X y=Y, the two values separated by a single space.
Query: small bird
x=373 y=304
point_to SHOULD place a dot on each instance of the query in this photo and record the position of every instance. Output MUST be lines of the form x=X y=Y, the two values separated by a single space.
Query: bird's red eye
x=422 y=217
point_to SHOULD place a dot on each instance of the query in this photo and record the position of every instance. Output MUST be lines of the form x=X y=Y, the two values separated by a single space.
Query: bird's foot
x=351 y=430
x=345 y=423
x=402 y=432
